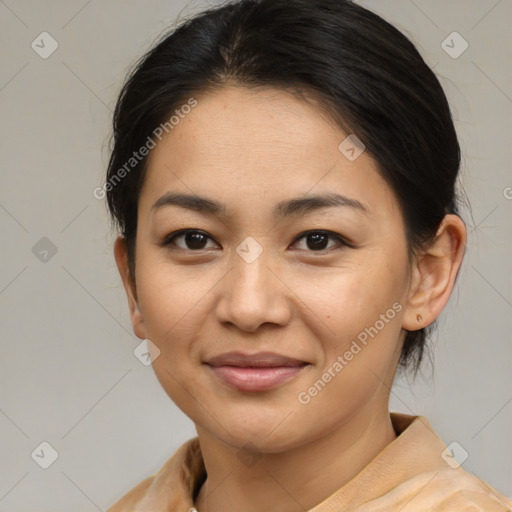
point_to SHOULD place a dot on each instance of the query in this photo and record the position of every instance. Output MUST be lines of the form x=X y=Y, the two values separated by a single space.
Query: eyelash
x=169 y=240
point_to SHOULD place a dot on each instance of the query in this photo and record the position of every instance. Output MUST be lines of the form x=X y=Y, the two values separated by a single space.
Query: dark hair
x=360 y=70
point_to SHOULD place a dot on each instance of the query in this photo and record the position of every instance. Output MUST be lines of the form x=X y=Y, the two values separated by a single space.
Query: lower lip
x=256 y=379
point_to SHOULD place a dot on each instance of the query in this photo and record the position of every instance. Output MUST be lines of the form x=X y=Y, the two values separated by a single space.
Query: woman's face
x=249 y=279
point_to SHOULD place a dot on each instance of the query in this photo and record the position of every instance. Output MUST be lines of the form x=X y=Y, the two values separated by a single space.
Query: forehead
x=243 y=145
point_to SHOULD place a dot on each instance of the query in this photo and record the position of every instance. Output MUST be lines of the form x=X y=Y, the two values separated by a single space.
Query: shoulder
x=169 y=488
x=441 y=490
x=413 y=474
x=133 y=498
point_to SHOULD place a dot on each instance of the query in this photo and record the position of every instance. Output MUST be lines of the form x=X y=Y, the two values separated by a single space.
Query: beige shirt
x=416 y=451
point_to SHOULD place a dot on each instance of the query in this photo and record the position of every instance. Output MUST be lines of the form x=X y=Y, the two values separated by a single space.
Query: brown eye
x=190 y=240
x=319 y=240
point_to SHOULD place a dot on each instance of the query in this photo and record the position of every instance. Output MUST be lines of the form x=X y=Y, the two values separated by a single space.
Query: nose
x=253 y=294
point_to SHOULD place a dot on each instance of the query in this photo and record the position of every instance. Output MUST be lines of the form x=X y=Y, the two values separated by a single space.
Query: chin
x=269 y=431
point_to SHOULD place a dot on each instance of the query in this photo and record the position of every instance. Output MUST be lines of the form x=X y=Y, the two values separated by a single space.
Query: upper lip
x=259 y=359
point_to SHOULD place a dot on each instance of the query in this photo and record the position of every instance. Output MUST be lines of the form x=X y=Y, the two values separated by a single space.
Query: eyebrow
x=290 y=207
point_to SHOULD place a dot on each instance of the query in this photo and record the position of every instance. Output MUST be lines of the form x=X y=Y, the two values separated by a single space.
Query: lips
x=260 y=359
x=255 y=372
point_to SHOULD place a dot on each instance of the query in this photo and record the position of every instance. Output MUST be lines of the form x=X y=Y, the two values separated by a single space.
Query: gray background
x=67 y=369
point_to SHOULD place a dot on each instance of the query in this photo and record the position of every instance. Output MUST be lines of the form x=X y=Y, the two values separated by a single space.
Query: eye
x=319 y=240
x=193 y=239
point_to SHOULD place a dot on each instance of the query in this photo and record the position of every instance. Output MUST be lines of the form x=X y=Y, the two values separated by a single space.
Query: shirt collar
x=416 y=449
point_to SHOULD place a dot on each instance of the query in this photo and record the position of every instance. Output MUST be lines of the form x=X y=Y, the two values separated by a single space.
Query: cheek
x=167 y=292
x=353 y=297
x=357 y=318
x=173 y=309
x=360 y=349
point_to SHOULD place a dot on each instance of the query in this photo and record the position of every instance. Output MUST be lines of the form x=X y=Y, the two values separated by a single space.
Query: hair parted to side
x=360 y=71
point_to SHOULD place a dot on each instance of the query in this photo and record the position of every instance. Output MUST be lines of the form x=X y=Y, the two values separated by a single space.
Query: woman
x=283 y=177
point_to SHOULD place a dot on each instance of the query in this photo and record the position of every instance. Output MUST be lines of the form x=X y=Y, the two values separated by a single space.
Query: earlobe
x=121 y=257
x=434 y=274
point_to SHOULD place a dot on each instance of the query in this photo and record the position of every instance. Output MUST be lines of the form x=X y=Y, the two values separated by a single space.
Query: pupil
x=314 y=241
x=318 y=241
x=194 y=241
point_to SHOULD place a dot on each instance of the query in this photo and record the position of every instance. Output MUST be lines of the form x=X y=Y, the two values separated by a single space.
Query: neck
x=296 y=480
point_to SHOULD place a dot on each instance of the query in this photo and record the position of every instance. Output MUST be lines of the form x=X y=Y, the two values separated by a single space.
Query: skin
x=251 y=149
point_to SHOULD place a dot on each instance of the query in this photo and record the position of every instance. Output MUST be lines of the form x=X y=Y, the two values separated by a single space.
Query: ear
x=434 y=273
x=121 y=256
